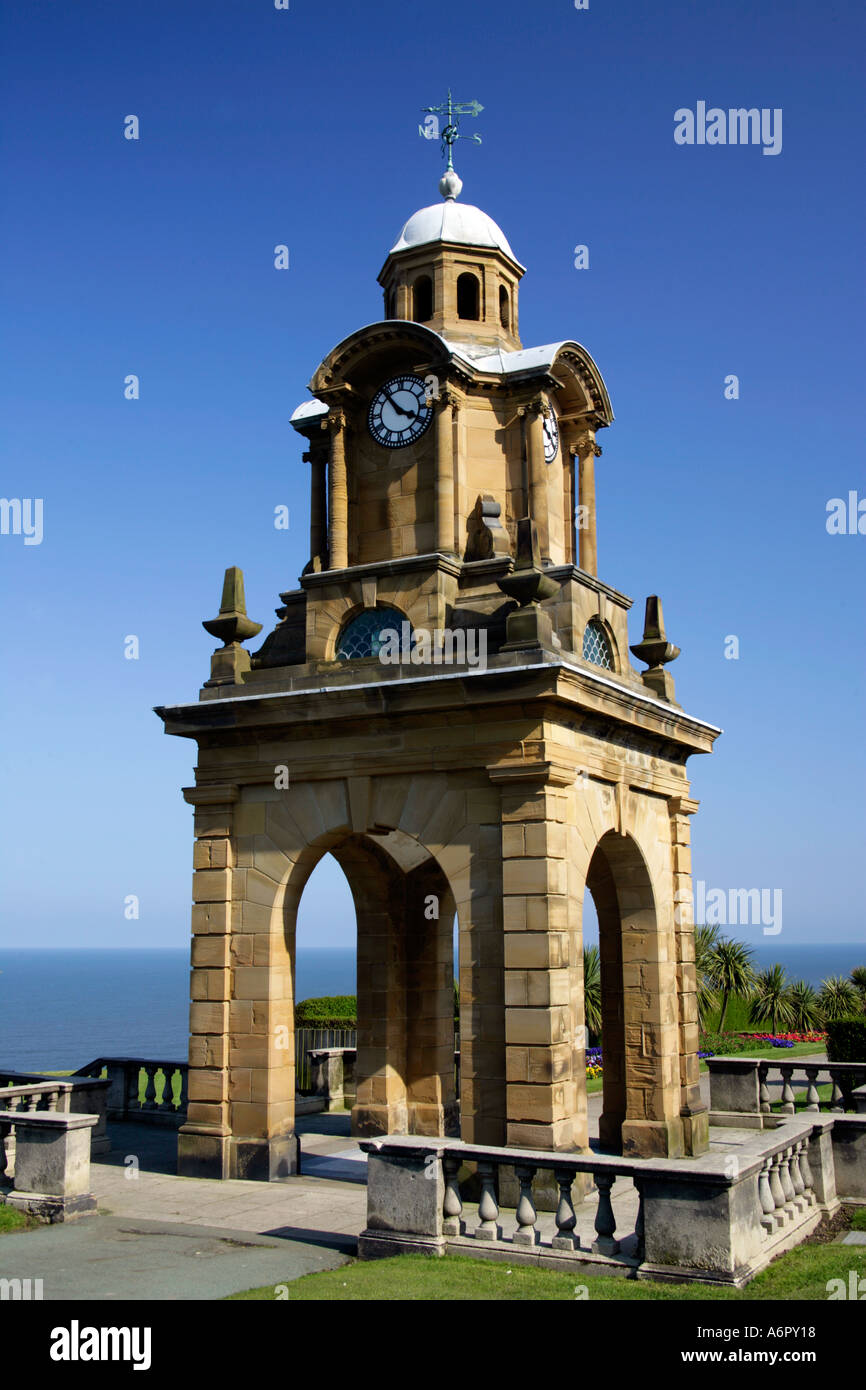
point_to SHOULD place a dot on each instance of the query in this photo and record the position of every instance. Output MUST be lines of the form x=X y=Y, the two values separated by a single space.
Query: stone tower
x=448 y=707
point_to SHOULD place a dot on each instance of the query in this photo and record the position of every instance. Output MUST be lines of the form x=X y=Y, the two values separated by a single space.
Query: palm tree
x=730 y=971
x=592 y=989
x=706 y=938
x=771 y=998
x=858 y=980
x=837 y=998
x=804 y=1004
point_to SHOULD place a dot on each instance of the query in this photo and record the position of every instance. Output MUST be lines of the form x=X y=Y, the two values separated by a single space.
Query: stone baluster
x=150 y=1088
x=765 y=1197
x=488 y=1210
x=787 y=1093
x=183 y=1097
x=777 y=1191
x=526 y=1233
x=797 y=1178
x=813 y=1102
x=836 y=1103
x=763 y=1092
x=806 y=1172
x=131 y=1074
x=787 y=1185
x=5 y=1131
x=566 y=1219
x=53 y=1100
x=605 y=1221
x=453 y=1204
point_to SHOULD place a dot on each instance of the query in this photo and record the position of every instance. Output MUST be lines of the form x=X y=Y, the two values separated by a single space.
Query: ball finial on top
x=450 y=184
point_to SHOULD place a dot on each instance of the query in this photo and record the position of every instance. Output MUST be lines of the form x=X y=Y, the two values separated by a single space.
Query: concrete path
x=110 y=1258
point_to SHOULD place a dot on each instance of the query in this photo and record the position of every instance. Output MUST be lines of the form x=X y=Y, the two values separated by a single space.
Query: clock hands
x=409 y=415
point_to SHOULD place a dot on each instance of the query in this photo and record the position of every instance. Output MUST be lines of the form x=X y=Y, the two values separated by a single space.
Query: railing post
x=526 y=1233
x=488 y=1209
x=453 y=1204
x=605 y=1222
x=566 y=1219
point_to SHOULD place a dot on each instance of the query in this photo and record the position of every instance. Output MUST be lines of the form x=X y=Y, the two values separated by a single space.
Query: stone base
x=653 y=1139
x=381 y=1245
x=202 y=1155
x=696 y=1130
x=52 y=1209
x=225 y=1156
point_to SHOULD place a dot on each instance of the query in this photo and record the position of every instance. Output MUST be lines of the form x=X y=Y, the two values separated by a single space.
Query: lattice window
x=363 y=635
x=596 y=646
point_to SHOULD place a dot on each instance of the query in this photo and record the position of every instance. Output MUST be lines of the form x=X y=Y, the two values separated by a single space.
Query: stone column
x=694 y=1113
x=544 y=1019
x=203 y=1141
x=444 y=486
x=318 y=492
x=338 y=498
x=587 y=451
x=538 y=498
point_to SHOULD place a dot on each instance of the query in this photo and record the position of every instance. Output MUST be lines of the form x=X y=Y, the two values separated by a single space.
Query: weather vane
x=451 y=111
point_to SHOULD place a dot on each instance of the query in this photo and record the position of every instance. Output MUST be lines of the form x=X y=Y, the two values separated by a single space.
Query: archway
x=622 y=893
x=404 y=912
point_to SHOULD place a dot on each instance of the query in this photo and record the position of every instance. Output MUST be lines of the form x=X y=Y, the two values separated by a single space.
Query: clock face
x=399 y=412
x=551 y=435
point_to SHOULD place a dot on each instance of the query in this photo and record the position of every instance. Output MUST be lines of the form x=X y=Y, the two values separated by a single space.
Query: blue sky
x=155 y=257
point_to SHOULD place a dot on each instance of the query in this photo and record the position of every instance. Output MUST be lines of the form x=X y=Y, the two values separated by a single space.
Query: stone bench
x=52 y=1163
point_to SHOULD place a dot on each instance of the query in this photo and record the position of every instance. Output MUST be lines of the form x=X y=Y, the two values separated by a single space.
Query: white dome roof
x=453 y=221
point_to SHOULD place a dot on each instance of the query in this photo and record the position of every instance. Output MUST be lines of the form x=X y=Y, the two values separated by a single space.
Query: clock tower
x=483 y=770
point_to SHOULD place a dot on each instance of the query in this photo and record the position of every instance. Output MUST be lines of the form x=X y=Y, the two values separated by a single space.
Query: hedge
x=846 y=1040
x=329 y=1011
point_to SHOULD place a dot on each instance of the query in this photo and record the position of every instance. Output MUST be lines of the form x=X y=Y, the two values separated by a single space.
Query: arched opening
x=422 y=299
x=467 y=296
x=403 y=911
x=504 y=307
x=367 y=633
x=632 y=1036
x=597 y=646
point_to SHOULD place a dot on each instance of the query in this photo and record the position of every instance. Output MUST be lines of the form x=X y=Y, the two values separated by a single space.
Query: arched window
x=422 y=299
x=504 y=307
x=467 y=296
x=596 y=645
x=364 y=634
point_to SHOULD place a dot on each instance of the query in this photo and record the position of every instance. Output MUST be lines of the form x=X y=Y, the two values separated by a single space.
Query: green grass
x=858 y=1221
x=801 y=1274
x=12 y=1220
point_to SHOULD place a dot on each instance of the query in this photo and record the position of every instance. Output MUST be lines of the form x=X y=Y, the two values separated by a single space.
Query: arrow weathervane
x=452 y=111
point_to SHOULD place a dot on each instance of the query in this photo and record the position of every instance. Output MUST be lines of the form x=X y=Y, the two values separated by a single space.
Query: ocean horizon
x=60 y=1009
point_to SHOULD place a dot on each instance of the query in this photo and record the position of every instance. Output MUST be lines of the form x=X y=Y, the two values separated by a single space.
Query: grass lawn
x=12 y=1220
x=801 y=1274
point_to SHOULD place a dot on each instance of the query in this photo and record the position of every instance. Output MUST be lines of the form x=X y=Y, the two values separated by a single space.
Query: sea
x=61 y=1009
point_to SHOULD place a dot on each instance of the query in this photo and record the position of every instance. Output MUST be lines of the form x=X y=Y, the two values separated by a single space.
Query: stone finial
x=231 y=627
x=655 y=649
x=529 y=626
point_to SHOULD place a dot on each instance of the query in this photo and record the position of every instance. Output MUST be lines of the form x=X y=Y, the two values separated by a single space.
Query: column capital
x=584 y=444
x=537 y=405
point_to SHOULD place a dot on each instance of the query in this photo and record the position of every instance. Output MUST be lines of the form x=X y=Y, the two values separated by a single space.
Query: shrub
x=846 y=1039
x=330 y=1011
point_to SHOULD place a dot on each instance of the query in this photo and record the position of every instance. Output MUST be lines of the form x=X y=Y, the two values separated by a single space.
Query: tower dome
x=460 y=223
x=452 y=267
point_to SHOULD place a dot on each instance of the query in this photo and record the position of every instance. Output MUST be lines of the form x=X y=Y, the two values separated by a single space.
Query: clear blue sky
x=155 y=257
